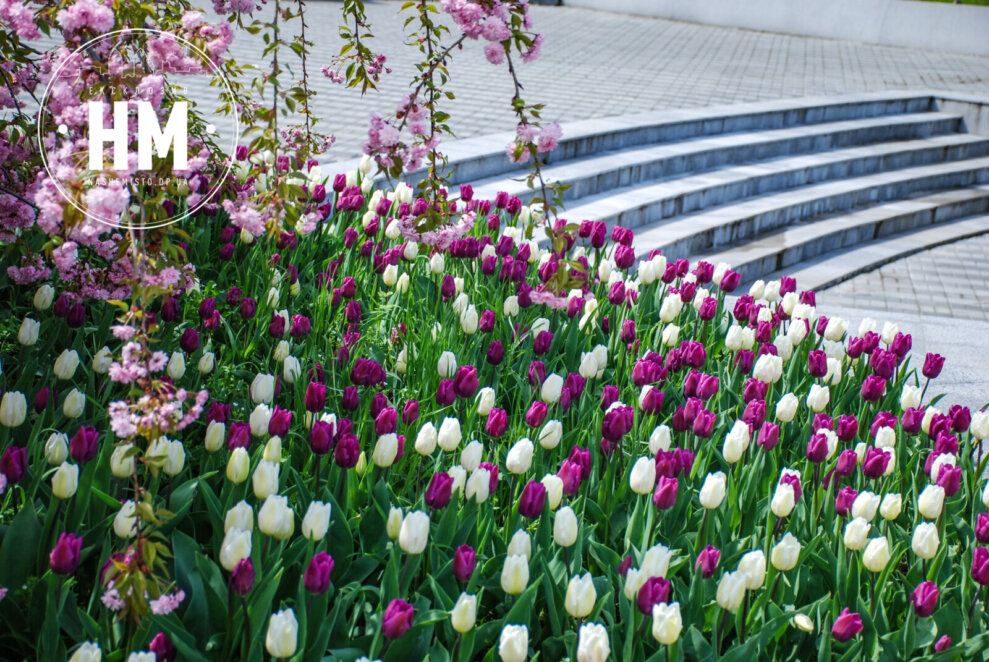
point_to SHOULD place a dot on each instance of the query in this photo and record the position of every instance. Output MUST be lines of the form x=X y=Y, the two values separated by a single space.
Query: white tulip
x=515 y=574
x=513 y=643
x=56 y=448
x=426 y=439
x=784 y=499
x=291 y=369
x=519 y=457
x=125 y=521
x=65 y=480
x=238 y=466
x=485 y=400
x=865 y=505
x=464 y=613
x=43 y=297
x=520 y=545
x=478 y=486
x=275 y=518
x=593 y=644
x=660 y=440
x=731 y=590
x=66 y=364
x=891 y=506
x=259 y=420
x=28 y=333
x=656 y=561
x=856 y=533
x=385 y=450
x=176 y=365
x=876 y=555
x=786 y=553
x=925 y=540
x=414 y=533
x=713 y=490
x=565 y=527
x=931 y=501
x=786 y=408
x=216 y=433
x=393 y=525
x=552 y=389
x=642 y=478
x=241 y=516
x=89 y=651
x=768 y=368
x=580 y=596
x=818 y=398
x=316 y=523
x=666 y=623
x=282 y=638
x=446 y=366
x=551 y=434
x=263 y=388
x=753 y=566
x=554 y=490
x=470 y=457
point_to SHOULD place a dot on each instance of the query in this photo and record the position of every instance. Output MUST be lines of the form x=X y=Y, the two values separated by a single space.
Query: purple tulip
x=397 y=619
x=949 y=478
x=817 y=363
x=707 y=561
x=321 y=437
x=347 y=451
x=410 y=412
x=980 y=565
x=445 y=393
x=317 y=576
x=961 y=418
x=933 y=363
x=982 y=527
x=536 y=414
x=315 y=398
x=240 y=435
x=440 y=490
x=465 y=382
x=617 y=423
x=769 y=436
x=846 y=626
x=844 y=499
x=847 y=428
x=533 y=500
x=77 y=316
x=242 y=577
x=754 y=413
x=13 y=463
x=498 y=421
x=537 y=374
x=873 y=387
x=542 y=342
x=847 y=461
x=875 y=462
x=704 y=423
x=301 y=326
x=350 y=400
x=64 y=558
x=817 y=448
x=924 y=599
x=163 y=648
x=496 y=352
x=189 y=341
x=666 y=493
x=82 y=446
x=912 y=420
x=169 y=309
x=386 y=421
x=653 y=591
x=464 y=562
x=41 y=399
x=652 y=402
x=943 y=644
x=280 y=421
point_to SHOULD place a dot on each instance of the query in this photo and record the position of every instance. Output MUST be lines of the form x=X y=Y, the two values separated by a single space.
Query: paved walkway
x=598 y=64
x=949 y=280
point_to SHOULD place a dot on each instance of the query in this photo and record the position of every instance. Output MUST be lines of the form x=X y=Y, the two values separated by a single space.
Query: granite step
x=805 y=242
x=606 y=172
x=837 y=266
x=706 y=231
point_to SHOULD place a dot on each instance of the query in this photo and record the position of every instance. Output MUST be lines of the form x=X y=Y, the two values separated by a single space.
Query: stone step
x=835 y=267
x=804 y=242
x=606 y=172
x=483 y=157
x=640 y=205
x=707 y=230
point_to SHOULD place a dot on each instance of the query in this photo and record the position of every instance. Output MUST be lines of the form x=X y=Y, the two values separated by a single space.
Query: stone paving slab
x=600 y=64
x=948 y=280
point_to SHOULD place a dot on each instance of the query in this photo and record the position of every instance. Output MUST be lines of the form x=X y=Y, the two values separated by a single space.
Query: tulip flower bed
x=390 y=445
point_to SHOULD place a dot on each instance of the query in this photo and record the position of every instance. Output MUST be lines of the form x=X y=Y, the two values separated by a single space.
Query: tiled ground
x=598 y=64
x=949 y=281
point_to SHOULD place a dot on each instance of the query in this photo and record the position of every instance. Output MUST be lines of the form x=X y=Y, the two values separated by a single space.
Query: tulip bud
x=856 y=533
x=520 y=457
x=876 y=555
x=513 y=644
x=449 y=435
x=515 y=574
x=13 y=408
x=43 y=298
x=784 y=499
x=581 y=596
x=713 y=490
x=28 y=333
x=65 y=480
x=316 y=523
x=666 y=623
x=660 y=439
x=565 y=527
x=414 y=532
x=551 y=434
x=731 y=590
x=925 y=540
x=485 y=400
x=865 y=505
x=57 y=448
x=593 y=644
x=786 y=408
x=238 y=466
x=753 y=566
x=73 y=407
x=241 y=516
x=520 y=544
x=89 y=651
x=236 y=547
x=215 y=436
x=122 y=461
x=281 y=640
x=125 y=521
x=275 y=518
x=891 y=506
x=786 y=553
x=265 y=479
x=642 y=478
x=176 y=365
x=931 y=501
x=464 y=613
x=393 y=525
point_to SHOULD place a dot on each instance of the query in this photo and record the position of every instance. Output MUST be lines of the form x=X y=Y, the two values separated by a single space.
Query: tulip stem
x=316 y=471
x=872 y=594
x=566 y=557
x=971 y=610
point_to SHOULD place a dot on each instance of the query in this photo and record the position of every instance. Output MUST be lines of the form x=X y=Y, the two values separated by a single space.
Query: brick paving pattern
x=943 y=281
x=598 y=64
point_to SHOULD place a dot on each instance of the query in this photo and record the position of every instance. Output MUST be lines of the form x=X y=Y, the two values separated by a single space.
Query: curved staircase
x=829 y=186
